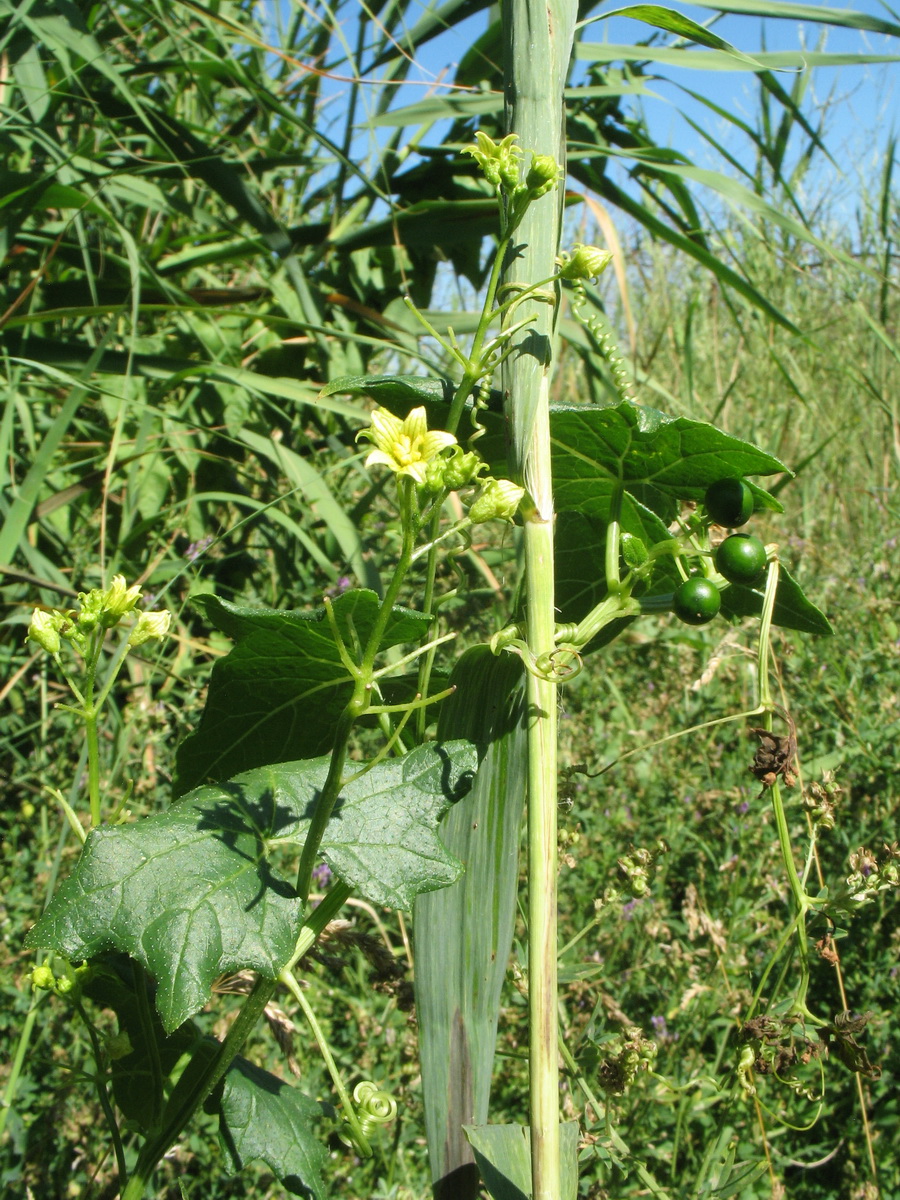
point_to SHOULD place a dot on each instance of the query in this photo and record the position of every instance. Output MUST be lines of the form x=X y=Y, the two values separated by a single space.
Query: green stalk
x=361 y=697
x=538 y=37
x=182 y=1106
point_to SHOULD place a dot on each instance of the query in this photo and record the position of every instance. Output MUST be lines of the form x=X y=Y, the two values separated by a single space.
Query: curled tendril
x=555 y=667
x=480 y=405
x=505 y=637
x=565 y=633
x=374 y=1108
x=562 y=664
x=605 y=340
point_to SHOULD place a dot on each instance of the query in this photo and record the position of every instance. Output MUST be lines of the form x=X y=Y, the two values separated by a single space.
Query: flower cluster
x=408 y=447
x=636 y=867
x=101 y=609
x=625 y=1054
x=500 y=162
x=869 y=876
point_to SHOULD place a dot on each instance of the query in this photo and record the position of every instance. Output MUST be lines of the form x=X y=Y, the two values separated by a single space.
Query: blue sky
x=863 y=99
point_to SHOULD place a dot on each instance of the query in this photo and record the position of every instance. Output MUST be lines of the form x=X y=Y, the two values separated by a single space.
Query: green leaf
x=114 y=986
x=461 y=963
x=723 y=60
x=264 y=1118
x=658 y=459
x=191 y=893
x=741 y=1176
x=847 y=18
x=428 y=224
x=391 y=389
x=188 y=893
x=793 y=610
x=682 y=26
x=277 y=695
x=503 y=1153
x=382 y=837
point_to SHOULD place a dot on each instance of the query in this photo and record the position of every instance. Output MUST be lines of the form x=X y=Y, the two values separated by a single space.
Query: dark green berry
x=697 y=601
x=729 y=502
x=741 y=558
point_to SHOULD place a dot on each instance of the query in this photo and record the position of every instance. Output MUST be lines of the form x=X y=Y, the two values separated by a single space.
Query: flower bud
x=93 y=605
x=498 y=160
x=434 y=477
x=461 y=468
x=150 y=625
x=634 y=551
x=44 y=629
x=585 y=262
x=43 y=978
x=543 y=175
x=498 y=501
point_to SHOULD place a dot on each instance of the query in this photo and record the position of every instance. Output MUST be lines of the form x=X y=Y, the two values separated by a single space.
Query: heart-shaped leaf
x=657 y=459
x=192 y=894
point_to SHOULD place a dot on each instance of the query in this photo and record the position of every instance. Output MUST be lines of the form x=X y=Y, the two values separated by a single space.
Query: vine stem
x=359 y=1138
x=184 y=1102
x=360 y=699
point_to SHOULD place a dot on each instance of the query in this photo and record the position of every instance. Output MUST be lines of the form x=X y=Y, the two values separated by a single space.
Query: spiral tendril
x=600 y=330
x=374 y=1108
x=480 y=404
x=557 y=666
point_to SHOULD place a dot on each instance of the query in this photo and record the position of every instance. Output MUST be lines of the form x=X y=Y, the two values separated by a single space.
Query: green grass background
x=197 y=236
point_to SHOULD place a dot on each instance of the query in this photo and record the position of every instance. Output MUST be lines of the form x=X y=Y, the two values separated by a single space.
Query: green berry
x=741 y=558
x=729 y=502
x=697 y=601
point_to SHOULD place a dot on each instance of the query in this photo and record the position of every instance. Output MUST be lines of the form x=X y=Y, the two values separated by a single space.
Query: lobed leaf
x=262 y=1117
x=657 y=459
x=793 y=609
x=191 y=893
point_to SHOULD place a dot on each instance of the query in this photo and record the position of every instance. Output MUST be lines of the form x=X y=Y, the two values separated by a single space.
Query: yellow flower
x=150 y=625
x=406 y=446
x=118 y=600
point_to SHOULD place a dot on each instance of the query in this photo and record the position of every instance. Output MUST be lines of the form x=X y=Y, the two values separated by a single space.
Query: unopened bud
x=461 y=468
x=498 y=501
x=43 y=978
x=44 y=629
x=585 y=262
x=543 y=175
